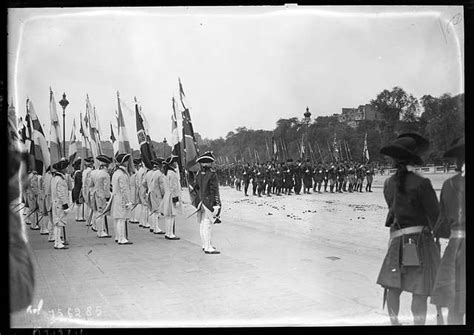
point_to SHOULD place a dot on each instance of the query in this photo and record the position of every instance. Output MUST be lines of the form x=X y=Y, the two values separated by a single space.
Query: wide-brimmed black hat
x=456 y=149
x=137 y=161
x=207 y=157
x=422 y=144
x=104 y=159
x=89 y=160
x=77 y=163
x=171 y=159
x=122 y=158
x=61 y=165
x=406 y=148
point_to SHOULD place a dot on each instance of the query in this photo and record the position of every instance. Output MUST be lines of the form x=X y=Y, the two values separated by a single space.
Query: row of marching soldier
x=413 y=262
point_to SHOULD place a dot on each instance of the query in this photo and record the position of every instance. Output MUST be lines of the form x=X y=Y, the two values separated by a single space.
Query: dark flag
x=175 y=142
x=143 y=139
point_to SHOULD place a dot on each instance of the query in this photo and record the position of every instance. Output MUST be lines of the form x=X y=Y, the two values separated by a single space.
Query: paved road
x=289 y=267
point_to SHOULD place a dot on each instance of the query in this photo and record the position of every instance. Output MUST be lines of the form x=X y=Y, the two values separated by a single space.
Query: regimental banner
x=41 y=150
x=124 y=143
x=143 y=139
x=55 y=131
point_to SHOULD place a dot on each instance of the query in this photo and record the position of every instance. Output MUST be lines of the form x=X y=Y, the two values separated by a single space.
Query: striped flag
x=366 y=149
x=190 y=148
x=73 y=143
x=124 y=143
x=274 y=149
x=175 y=142
x=144 y=140
x=55 y=131
x=41 y=150
x=91 y=123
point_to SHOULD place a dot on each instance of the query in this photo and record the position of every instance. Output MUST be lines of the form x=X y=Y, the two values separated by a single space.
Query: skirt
x=450 y=284
x=415 y=279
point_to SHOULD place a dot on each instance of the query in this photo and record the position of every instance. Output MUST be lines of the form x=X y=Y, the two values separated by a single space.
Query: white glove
x=67 y=211
x=128 y=205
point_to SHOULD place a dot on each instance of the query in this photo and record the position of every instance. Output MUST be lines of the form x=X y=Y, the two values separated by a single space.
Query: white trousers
x=136 y=214
x=205 y=229
x=79 y=209
x=155 y=219
x=44 y=224
x=120 y=230
x=50 y=227
x=100 y=225
x=170 y=222
x=145 y=222
x=57 y=231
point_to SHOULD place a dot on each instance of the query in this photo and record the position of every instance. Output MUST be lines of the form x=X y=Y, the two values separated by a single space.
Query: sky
x=240 y=66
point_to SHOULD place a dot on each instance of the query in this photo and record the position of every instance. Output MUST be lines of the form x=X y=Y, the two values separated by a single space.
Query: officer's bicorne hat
x=457 y=149
x=171 y=159
x=122 y=158
x=77 y=163
x=207 y=157
x=104 y=159
x=407 y=147
x=61 y=165
x=157 y=161
x=89 y=160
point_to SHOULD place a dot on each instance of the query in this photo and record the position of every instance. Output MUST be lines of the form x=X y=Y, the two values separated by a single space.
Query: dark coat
x=207 y=187
x=418 y=206
x=76 y=191
x=450 y=284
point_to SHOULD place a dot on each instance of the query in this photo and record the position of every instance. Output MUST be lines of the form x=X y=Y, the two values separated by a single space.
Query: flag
x=41 y=150
x=55 y=131
x=366 y=150
x=73 y=143
x=113 y=139
x=190 y=149
x=175 y=142
x=91 y=123
x=274 y=149
x=143 y=139
x=124 y=143
x=302 y=148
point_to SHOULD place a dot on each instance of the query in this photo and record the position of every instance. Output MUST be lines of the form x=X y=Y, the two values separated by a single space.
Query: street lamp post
x=64 y=104
x=307 y=119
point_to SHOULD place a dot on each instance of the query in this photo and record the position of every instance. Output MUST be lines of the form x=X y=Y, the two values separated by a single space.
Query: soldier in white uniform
x=60 y=202
x=89 y=163
x=47 y=179
x=134 y=188
x=156 y=189
x=43 y=211
x=142 y=194
x=121 y=199
x=100 y=195
x=172 y=199
x=30 y=196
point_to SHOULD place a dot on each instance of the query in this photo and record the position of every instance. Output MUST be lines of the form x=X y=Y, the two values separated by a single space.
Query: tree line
x=439 y=119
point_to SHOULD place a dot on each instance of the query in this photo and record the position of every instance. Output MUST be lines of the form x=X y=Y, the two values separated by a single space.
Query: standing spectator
x=172 y=199
x=121 y=199
x=413 y=210
x=450 y=284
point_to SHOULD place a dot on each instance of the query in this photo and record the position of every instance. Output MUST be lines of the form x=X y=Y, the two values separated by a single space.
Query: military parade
x=224 y=225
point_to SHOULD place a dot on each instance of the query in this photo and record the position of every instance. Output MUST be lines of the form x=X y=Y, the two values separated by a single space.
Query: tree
x=393 y=103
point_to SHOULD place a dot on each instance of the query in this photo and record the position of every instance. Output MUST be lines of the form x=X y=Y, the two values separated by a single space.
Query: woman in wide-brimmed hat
x=450 y=284
x=412 y=258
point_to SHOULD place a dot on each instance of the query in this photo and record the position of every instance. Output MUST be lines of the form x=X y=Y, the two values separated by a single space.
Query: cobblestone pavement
x=270 y=273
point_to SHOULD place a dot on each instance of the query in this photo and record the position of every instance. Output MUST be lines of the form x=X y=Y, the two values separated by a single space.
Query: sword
x=31 y=213
x=18 y=209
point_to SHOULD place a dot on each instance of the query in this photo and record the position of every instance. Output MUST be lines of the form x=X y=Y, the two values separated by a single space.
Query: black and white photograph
x=239 y=166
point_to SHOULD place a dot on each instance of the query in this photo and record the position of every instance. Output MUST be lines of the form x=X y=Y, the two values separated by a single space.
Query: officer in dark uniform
x=209 y=207
x=340 y=175
x=307 y=177
x=269 y=178
x=254 y=178
x=450 y=285
x=318 y=177
x=351 y=177
x=369 y=175
x=298 y=175
x=288 y=176
x=246 y=176
x=76 y=193
x=326 y=176
x=412 y=258
x=360 y=174
x=278 y=179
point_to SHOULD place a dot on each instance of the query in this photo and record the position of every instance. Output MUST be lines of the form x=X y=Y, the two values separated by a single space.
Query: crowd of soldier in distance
x=284 y=178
